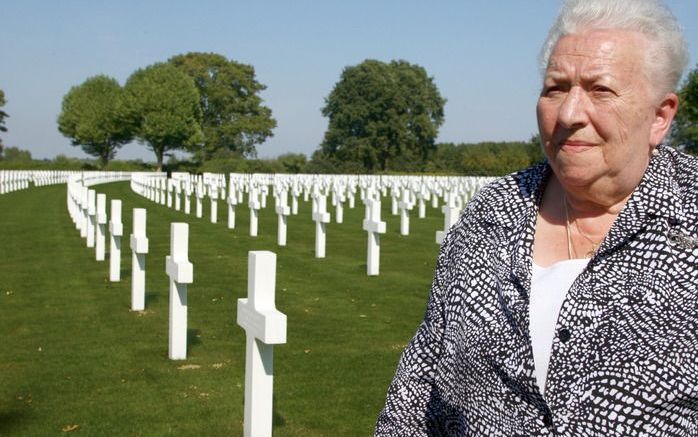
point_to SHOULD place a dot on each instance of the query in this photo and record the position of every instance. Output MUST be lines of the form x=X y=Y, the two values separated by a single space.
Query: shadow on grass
x=277 y=420
x=193 y=337
x=151 y=298
x=10 y=420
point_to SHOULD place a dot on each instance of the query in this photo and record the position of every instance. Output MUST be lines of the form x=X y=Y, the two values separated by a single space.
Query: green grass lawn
x=74 y=354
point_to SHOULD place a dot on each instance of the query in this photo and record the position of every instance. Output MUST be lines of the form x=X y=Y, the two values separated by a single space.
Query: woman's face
x=596 y=114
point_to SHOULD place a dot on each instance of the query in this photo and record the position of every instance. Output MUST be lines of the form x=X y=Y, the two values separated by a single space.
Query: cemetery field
x=75 y=359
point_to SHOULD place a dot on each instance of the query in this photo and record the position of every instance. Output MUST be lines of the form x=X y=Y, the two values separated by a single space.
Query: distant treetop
x=383 y=113
x=233 y=116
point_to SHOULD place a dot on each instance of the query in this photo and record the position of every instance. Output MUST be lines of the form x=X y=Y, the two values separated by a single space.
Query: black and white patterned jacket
x=625 y=354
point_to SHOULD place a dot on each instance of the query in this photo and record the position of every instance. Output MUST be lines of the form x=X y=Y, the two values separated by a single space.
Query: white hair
x=667 y=56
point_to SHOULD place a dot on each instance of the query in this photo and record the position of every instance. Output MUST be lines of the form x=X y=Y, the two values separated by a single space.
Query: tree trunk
x=103 y=160
x=159 y=154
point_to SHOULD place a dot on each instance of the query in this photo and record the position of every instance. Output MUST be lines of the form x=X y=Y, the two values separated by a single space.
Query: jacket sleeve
x=413 y=405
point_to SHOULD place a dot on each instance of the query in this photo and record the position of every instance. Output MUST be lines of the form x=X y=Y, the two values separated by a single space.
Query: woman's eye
x=602 y=90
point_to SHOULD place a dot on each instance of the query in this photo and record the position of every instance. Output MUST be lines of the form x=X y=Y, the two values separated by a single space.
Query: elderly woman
x=565 y=300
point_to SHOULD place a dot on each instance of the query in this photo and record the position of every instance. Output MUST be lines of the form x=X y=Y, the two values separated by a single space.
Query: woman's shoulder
x=685 y=166
x=684 y=172
x=499 y=204
x=505 y=194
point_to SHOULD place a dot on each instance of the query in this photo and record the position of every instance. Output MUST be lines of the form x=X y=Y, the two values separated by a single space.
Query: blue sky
x=481 y=53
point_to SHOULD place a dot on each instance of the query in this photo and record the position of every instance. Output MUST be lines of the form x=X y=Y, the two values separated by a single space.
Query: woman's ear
x=663 y=116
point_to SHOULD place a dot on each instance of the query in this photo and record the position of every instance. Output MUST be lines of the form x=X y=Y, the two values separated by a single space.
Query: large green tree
x=379 y=112
x=93 y=117
x=233 y=115
x=163 y=105
x=685 y=128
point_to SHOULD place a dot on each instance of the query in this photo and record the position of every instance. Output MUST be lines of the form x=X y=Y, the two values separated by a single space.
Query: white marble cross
x=139 y=247
x=116 y=230
x=181 y=273
x=232 y=202
x=405 y=205
x=253 y=203
x=147 y=186
x=321 y=218
x=339 y=207
x=213 y=194
x=422 y=197
x=351 y=198
x=164 y=192
x=282 y=210
x=373 y=225
x=82 y=206
x=263 y=192
x=264 y=327
x=294 y=199
x=435 y=197
x=101 y=226
x=199 y=200
x=187 y=197
x=394 y=196
x=169 y=189
x=178 y=195
x=451 y=212
x=91 y=217
x=155 y=193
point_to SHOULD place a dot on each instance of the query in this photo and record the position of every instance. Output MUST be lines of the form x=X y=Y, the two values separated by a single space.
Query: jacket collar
x=657 y=195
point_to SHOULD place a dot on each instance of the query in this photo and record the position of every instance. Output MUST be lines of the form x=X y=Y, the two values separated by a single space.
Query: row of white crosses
x=170 y=192
x=93 y=219
x=178 y=268
x=13 y=180
x=405 y=193
x=264 y=325
x=257 y=314
x=259 y=356
x=88 y=211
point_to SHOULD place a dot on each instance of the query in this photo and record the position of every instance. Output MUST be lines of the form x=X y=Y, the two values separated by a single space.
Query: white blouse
x=549 y=287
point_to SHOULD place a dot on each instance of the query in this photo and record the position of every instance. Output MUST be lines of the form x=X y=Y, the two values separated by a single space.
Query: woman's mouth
x=576 y=146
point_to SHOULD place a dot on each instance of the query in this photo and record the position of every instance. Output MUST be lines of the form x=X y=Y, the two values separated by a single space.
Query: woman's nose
x=573 y=112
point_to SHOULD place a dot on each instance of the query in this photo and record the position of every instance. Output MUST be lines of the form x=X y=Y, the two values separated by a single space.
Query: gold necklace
x=570 y=248
x=594 y=245
x=567 y=228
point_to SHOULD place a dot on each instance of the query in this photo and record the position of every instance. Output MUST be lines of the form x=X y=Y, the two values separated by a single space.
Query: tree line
x=489 y=158
x=382 y=118
x=198 y=102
